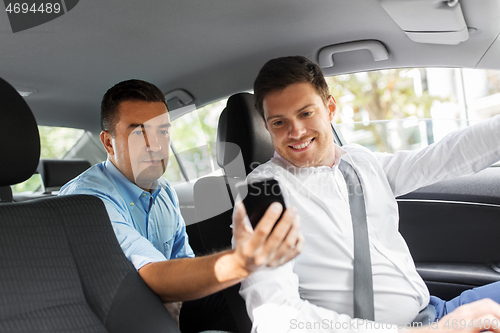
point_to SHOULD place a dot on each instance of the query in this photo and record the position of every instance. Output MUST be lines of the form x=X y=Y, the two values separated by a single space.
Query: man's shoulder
x=353 y=148
x=92 y=180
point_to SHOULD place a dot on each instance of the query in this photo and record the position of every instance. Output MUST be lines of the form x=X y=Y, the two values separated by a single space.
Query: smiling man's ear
x=332 y=106
x=107 y=142
x=265 y=125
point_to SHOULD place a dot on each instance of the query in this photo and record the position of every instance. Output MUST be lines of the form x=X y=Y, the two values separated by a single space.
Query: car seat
x=5 y=194
x=61 y=267
x=53 y=175
x=56 y=173
x=242 y=144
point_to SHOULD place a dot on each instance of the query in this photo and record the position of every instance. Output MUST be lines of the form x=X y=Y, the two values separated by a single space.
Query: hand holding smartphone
x=258 y=196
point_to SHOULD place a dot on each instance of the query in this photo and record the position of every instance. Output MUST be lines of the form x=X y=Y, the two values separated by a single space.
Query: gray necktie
x=363 y=283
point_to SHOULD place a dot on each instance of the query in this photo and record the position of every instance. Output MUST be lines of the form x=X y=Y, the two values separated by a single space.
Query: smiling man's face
x=139 y=146
x=299 y=124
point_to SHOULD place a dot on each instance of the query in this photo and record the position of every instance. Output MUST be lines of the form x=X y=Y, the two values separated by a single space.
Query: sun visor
x=429 y=21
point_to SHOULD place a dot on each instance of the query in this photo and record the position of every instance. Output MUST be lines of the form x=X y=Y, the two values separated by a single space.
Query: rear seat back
x=5 y=194
x=56 y=173
x=53 y=175
x=242 y=144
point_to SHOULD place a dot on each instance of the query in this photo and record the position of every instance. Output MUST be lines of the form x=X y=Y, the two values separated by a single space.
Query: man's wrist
x=230 y=266
x=240 y=264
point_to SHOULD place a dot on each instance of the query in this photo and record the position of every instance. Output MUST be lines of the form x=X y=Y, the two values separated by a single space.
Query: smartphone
x=258 y=196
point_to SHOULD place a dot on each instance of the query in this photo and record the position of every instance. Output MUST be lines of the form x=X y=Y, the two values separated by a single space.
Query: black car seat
x=61 y=267
x=56 y=173
x=242 y=144
x=5 y=194
x=53 y=175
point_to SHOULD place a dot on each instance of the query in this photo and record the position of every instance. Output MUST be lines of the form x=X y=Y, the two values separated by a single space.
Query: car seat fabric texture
x=62 y=270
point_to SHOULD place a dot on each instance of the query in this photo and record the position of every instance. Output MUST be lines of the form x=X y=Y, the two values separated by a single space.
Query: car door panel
x=452 y=230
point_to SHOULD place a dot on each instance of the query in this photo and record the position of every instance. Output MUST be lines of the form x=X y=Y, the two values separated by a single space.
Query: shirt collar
x=129 y=191
x=339 y=152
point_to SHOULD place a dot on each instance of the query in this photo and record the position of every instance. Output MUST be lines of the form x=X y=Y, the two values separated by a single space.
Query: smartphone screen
x=258 y=196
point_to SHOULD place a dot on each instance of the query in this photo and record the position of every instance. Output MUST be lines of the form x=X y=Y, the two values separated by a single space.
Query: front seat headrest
x=240 y=124
x=56 y=173
x=19 y=138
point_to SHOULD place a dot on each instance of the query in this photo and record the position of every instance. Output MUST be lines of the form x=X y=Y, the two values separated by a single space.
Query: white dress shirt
x=314 y=291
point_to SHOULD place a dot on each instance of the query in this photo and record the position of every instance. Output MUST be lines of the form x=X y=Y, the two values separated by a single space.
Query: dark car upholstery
x=61 y=267
x=241 y=125
x=242 y=144
x=5 y=194
x=53 y=175
x=56 y=173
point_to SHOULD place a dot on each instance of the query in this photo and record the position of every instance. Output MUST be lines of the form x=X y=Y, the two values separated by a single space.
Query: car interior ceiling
x=108 y=54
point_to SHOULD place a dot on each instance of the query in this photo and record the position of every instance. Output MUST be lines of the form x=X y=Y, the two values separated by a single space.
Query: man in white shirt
x=315 y=291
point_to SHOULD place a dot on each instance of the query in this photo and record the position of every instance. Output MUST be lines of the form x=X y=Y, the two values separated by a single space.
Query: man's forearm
x=191 y=278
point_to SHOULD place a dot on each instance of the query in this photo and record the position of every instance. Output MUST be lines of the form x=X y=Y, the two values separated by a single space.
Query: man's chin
x=148 y=177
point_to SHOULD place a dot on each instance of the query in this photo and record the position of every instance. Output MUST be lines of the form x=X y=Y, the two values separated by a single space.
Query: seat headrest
x=19 y=138
x=56 y=173
x=241 y=125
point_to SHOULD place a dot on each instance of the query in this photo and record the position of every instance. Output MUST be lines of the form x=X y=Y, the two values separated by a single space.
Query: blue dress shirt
x=149 y=227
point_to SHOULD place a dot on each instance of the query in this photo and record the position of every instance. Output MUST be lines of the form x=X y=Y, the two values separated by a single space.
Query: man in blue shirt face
x=144 y=208
x=140 y=142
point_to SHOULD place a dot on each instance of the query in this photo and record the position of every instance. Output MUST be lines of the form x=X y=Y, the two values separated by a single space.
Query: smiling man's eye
x=278 y=123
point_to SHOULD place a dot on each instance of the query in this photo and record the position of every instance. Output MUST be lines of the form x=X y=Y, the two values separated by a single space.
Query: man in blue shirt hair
x=144 y=212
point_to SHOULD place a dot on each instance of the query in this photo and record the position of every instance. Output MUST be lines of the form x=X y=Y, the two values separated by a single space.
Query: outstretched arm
x=192 y=278
x=460 y=153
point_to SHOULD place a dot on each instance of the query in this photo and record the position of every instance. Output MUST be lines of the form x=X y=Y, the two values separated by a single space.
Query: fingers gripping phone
x=258 y=196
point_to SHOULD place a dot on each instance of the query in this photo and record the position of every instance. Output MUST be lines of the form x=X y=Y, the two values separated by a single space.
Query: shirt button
x=131 y=204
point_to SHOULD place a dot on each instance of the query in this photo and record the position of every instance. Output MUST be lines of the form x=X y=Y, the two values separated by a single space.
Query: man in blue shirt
x=144 y=210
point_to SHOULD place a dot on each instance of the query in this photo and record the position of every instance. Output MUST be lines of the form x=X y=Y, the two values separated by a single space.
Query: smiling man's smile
x=302 y=146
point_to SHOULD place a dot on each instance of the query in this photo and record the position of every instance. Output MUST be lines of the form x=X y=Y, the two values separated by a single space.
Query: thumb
x=240 y=220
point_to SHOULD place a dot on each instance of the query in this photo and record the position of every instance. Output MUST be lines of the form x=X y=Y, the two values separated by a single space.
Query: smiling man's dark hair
x=279 y=73
x=137 y=90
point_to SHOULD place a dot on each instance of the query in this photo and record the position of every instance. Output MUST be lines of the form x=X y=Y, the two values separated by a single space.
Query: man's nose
x=296 y=130
x=152 y=142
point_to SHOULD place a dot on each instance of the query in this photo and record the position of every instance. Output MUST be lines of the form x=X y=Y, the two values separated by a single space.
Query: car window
x=193 y=149
x=390 y=110
x=55 y=143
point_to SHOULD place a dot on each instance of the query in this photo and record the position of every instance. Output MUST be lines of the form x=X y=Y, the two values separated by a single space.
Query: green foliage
x=382 y=95
x=55 y=142
x=193 y=136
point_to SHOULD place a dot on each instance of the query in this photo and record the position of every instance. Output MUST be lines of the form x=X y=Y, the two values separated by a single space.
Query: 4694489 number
x=24 y=8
